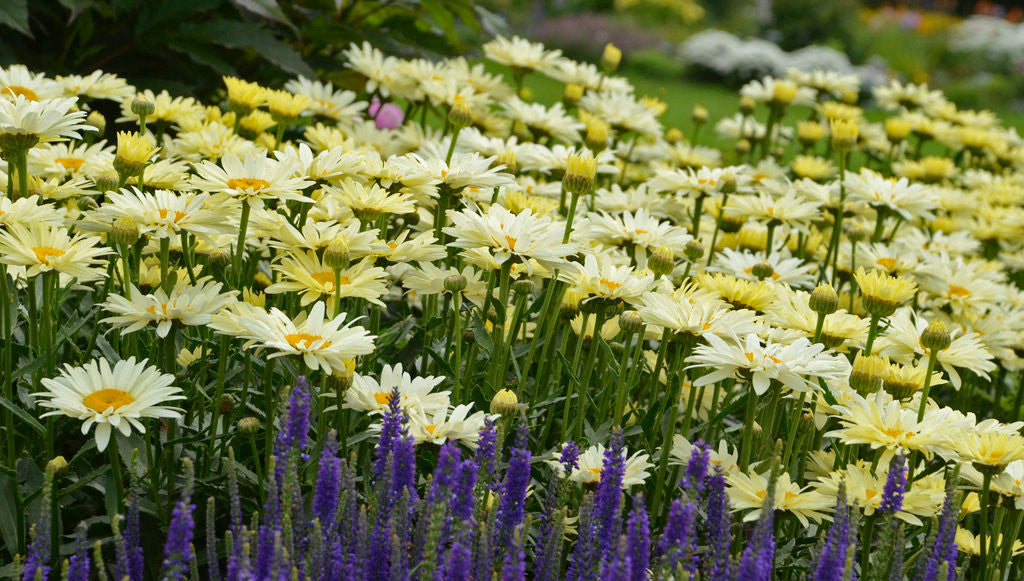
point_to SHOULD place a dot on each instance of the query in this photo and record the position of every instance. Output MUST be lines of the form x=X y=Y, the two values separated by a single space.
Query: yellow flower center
x=152 y=309
x=15 y=91
x=104 y=399
x=328 y=277
x=790 y=495
x=430 y=428
x=610 y=284
x=958 y=291
x=177 y=215
x=382 y=397
x=596 y=471
x=71 y=163
x=247 y=184
x=888 y=263
x=896 y=433
x=43 y=253
x=869 y=494
x=305 y=340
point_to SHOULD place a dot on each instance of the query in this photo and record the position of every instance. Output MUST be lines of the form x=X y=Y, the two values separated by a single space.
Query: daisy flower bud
x=248 y=425
x=674 y=135
x=597 y=135
x=226 y=404
x=762 y=270
x=883 y=293
x=810 y=132
x=97 y=120
x=505 y=403
x=262 y=280
x=133 y=152
x=336 y=256
x=573 y=92
x=661 y=261
x=460 y=115
x=142 y=106
x=105 y=183
x=220 y=260
x=868 y=373
x=935 y=336
x=824 y=300
x=857 y=232
x=611 y=58
x=507 y=159
x=844 y=134
x=743 y=147
x=243 y=96
x=747 y=105
x=58 y=465
x=455 y=283
x=85 y=203
x=631 y=322
x=700 y=114
x=523 y=287
x=694 y=250
x=580 y=172
x=124 y=231
x=284 y=107
x=897 y=129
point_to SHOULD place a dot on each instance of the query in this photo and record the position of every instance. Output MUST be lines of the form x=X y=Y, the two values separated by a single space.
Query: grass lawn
x=682 y=94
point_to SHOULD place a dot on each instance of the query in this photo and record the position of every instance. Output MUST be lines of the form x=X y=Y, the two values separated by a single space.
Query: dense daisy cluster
x=607 y=344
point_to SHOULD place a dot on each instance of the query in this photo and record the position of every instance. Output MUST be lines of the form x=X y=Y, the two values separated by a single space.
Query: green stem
x=986 y=484
x=872 y=333
x=620 y=392
x=569 y=217
x=748 y=428
x=932 y=357
x=243 y=224
x=115 y=469
x=451 y=148
x=457 y=339
x=596 y=355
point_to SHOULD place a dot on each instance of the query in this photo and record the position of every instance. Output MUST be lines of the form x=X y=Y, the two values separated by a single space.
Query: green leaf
x=23 y=415
x=14 y=13
x=268 y=9
x=234 y=34
x=8 y=515
x=203 y=55
x=81 y=482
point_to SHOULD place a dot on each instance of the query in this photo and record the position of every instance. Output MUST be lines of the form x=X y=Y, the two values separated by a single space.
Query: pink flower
x=387 y=115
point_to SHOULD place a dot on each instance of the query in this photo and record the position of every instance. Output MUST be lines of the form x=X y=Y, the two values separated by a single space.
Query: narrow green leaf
x=23 y=415
x=14 y=13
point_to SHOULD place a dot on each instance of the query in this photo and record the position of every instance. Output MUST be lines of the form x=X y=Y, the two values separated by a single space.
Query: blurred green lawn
x=682 y=95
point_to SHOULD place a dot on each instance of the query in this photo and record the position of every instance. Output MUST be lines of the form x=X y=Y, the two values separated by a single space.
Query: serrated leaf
x=14 y=13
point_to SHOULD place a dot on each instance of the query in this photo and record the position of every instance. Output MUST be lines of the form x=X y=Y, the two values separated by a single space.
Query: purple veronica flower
x=942 y=548
x=39 y=549
x=607 y=513
x=585 y=557
x=718 y=561
x=831 y=563
x=697 y=467
x=570 y=459
x=78 y=563
x=462 y=498
x=178 y=549
x=895 y=486
x=678 y=543
x=513 y=567
x=758 y=558
x=638 y=539
x=620 y=567
x=459 y=562
x=328 y=484
x=512 y=496
x=485 y=451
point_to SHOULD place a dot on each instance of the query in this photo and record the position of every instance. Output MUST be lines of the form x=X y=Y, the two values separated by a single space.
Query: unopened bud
x=124 y=231
x=674 y=135
x=662 y=261
x=580 y=171
x=935 y=336
x=262 y=280
x=97 y=120
x=597 y=135
x=523 y=287
x=220 y=259
x=747 y=105
x=336 y=255
x=85 y=203
x=611 y=57
x=762 y=270
x=844 y=134
x=59 y=465
x=573 y=93
x=248 y=425
x=631 y=322
x=868 y=373
x=693 y=250
x=700 y=114
x=743 y=146
x=227 y=404
x=142 y=106
x=460 y=115
x=508 y=159
x=105 y=183
x=857 y=232
x=505 y=403
x=824 y=300
x=455 y=283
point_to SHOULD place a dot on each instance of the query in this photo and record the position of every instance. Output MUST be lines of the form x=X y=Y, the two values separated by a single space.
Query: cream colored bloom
x=748 y=491
x=187 y=304
x=117 y=397
x=253 y=179
x=305 y=273
x=591 y=463
x=370 y=394
x=442 y=424
x=41 y=247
